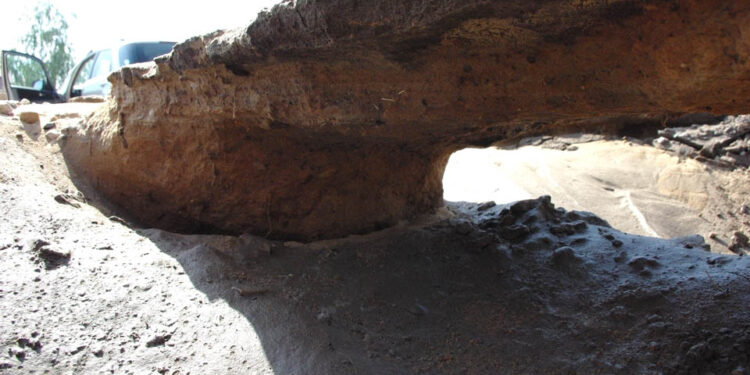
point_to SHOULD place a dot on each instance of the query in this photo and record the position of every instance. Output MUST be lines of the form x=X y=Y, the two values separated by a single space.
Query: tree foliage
x=48 y=40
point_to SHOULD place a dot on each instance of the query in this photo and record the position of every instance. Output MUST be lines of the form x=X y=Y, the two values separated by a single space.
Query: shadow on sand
x=465 y=294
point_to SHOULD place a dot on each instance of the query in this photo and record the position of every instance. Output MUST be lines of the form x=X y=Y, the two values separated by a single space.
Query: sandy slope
x=522 y=288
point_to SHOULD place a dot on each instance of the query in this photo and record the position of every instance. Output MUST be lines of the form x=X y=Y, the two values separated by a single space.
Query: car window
x=103 y=64
x=25 y=71
x=142 y=52
x=84 y=73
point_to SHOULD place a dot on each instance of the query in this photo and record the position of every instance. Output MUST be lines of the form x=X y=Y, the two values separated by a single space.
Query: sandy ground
x=476 y=289
x=637 y=188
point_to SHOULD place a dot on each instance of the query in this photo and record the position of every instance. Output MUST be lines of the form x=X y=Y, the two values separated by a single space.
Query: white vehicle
x=27 y=77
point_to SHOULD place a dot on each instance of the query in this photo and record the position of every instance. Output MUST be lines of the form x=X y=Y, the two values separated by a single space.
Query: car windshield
x=142 y=52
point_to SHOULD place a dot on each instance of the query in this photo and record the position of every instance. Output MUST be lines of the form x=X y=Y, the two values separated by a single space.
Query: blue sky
x=99 y=24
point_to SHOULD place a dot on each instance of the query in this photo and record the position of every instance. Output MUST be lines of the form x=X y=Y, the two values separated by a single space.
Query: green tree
x=48 y=40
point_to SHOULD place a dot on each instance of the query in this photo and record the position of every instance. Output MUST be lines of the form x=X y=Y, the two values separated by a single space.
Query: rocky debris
x=283 y=128
x=726 y=143
x=50 y=257
x=726 y=351
x=28 y=116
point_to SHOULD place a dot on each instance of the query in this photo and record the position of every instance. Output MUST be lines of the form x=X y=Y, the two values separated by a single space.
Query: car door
x=25 y=77
x=77 y=77
x=98 y=84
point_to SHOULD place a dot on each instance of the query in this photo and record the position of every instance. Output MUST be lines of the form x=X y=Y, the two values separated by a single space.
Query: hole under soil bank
x=637 y=188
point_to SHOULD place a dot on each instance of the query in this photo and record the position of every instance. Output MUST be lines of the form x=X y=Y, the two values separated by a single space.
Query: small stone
x=739 y=242
x=19 y=354
x=28 y=117
x=641 y=263
x=49 y=126
x=50 y=257
x=514 y=232
x=66 y=199
x=486 y=206
x=24 y=101
x=521 y=207
x=617 y=243
x=19 y=137
x=159 y=340
x=52 y=136
x=713 y=236
x=745 y=209
x=6 y=109
x=564 y=256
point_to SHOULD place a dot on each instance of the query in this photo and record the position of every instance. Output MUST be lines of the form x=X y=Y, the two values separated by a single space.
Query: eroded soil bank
x=283 y=128
x=477 y=288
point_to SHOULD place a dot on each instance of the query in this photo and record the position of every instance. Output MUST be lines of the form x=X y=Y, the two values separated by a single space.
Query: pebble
x=158 y=341
x=52 y=136
x=640 y=263
x=49 y=126
x=28 y=117
x=486 y=206
x=739 y=241
x=6 y=109
x=745 y=209
x=514 y=232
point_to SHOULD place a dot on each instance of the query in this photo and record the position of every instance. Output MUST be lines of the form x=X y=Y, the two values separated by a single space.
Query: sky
x=98 y=24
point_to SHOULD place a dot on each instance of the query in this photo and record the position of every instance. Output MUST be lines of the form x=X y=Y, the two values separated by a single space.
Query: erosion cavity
x=326 y=118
